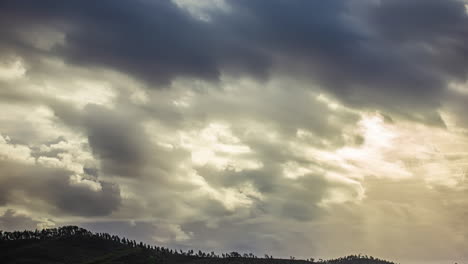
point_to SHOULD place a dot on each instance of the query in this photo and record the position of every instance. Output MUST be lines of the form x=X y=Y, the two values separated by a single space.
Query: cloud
x=116 y=140
x=52 y=190
x=292 y=127
x=355 y=51
x=148 y=48
x=11 y=220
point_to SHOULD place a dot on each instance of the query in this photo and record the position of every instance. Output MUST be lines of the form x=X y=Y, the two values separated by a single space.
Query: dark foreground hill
x=71 y=244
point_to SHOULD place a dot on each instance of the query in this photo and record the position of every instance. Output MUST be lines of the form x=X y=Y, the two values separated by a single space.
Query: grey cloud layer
x=52 y=187
x=369 y=52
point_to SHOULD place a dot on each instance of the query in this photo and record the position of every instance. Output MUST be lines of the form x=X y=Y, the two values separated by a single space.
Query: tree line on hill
x=159 y=251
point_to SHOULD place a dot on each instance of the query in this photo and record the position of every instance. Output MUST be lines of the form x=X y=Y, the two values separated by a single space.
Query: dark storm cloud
x=152 y=40
x=420 y=20
x=53 y=187
x=397 y=55
x=116 y=139
x=353 y=53
x=429 y=37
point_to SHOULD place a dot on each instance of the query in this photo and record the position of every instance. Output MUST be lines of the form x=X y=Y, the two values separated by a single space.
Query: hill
x=71 y=244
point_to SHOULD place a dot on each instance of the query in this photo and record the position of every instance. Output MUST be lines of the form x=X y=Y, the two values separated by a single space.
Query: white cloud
x=201 y=9
x=216 y=145
x=12 y=69
x=14 y=152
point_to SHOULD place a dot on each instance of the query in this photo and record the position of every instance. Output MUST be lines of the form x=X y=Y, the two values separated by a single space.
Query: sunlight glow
x=216 y=145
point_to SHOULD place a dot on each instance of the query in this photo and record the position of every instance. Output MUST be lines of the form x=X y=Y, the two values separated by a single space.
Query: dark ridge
x=72 y=244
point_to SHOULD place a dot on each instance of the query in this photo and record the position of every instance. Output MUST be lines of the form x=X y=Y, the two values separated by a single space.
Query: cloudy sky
x=310 y=128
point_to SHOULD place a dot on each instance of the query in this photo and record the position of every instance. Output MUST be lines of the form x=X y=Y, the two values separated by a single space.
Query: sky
x=303 y=128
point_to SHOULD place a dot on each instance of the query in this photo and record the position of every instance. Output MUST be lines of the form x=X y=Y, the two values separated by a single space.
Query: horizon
x=218 y=254
x=299 y=128
x=7 y=236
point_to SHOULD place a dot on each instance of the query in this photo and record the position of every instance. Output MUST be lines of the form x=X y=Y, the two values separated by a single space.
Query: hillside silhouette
x=72 y=244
